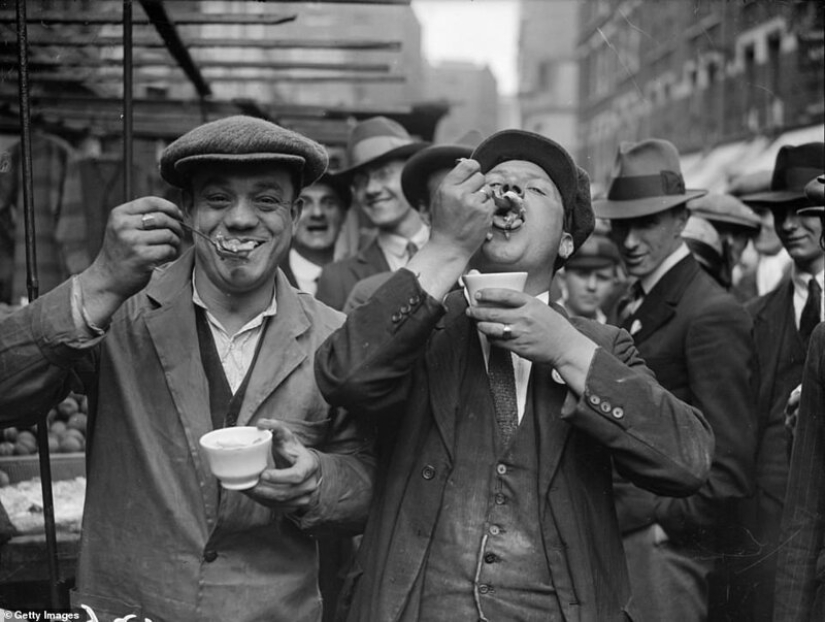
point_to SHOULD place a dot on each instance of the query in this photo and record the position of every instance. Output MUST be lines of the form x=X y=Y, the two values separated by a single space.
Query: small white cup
x=475 y=281
x=237 y=455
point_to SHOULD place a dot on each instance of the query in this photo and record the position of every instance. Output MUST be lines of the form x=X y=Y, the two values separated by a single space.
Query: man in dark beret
x=498 y=416
x=170 y=346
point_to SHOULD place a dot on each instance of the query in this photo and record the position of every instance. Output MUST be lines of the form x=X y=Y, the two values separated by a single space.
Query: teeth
x=236 y=246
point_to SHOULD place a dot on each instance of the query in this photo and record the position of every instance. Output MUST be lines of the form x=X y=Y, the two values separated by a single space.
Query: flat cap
x=815 y=191
x=597 y=251
x=725 y=208
x=242 y=139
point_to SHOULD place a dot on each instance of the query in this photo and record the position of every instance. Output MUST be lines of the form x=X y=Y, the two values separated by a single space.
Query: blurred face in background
x=587 y=289
x=800 y=234
x=377 y=189
x=767 y=242
x=645 y=242
x=321 y=219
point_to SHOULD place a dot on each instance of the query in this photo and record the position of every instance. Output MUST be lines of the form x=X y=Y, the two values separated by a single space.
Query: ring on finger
x=487 y=194
x=507 y=332
x=147 y=220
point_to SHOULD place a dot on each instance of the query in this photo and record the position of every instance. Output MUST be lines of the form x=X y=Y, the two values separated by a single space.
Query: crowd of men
x=613 y=442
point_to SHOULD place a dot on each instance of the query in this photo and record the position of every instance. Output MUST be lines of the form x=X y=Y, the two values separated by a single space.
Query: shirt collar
x=255 y=321
x=397 y=244
x=649 y=281
x=800 y=279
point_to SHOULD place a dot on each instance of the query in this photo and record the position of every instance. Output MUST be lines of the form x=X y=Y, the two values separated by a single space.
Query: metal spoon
x=200 y=233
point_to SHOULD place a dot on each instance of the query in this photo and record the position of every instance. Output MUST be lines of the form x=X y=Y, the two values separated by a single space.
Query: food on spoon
x=510 y=212
x=236 y=246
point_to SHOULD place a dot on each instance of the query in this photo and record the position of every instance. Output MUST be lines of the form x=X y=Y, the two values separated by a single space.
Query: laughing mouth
x=510 y=213
x=235 y=247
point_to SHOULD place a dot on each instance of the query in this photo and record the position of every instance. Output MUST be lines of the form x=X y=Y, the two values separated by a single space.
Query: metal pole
x=33 y=287
x=127 y=100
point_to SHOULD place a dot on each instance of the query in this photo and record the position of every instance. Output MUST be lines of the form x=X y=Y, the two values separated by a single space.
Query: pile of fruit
x=67 y=430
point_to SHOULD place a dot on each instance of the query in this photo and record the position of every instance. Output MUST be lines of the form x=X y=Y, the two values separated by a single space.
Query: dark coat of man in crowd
x=697 y=340
x=479 y=516
x=800 y=584
x=781 y=334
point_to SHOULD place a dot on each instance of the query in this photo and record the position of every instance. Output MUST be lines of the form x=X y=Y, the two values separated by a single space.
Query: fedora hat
x=724 y=208
x=795 y=166
x=815 y=191
x=242 y=139
x=573 y=182
x=377 y=140
x=646 y=179
x=421 y=165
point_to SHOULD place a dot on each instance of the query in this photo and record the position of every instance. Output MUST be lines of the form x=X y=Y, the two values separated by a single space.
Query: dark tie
x=412 y=249
x=627 y=303
x=811 y=312
x=503 y=388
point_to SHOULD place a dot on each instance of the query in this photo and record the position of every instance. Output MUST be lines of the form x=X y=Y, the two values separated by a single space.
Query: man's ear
x=187 y=202
x=681 y=214
x=565 y=245
x=295 y=211
x=424 y=211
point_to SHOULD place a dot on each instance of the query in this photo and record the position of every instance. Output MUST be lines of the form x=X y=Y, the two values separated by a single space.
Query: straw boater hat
x=795 y=167
x=242 y=139
x=573 y=182
x=420 y=166
x=815 y=191
x=647 y=179
x=725 y=210
x=377 y=140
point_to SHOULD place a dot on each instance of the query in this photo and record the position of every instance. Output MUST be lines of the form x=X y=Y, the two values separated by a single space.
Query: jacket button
x=405 y=309
x=210 y=555
x=396 y=317
x=484 y=589
x=605 y=407
x=428 y=472
x=618 y=412
x=500 y=499
x=413 y=301
x=501 y=469
x=491 y=558
x=495 y=530
x=595 y=400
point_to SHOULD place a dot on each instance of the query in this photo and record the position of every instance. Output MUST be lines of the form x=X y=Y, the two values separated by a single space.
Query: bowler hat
x=376 y=140
x=795 y=166
x=420 y=166
x=815 y=191
x=597 y=251
x=242 y=139
x=573 y=182
x=727 y=209
x=647 y=179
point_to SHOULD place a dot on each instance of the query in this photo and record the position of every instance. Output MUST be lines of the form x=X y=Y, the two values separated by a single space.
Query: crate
x=64 y=466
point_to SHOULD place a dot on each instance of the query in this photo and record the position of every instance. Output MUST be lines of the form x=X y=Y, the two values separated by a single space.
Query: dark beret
x=573 y=182
x=242 y=139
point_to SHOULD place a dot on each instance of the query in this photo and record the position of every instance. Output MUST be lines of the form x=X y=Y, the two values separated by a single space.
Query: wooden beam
x=96 y=77
x=55 y=18
x=7 y=62
x=259 y=44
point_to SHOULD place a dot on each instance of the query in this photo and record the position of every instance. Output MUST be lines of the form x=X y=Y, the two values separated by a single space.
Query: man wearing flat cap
x=589 y=278
x=169 y=348
x=377 y=148
x=800 y=591
x=696 y=338
x=783 y=322
x=499 y=416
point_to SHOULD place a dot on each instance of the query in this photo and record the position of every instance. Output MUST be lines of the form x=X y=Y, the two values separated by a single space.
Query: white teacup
x=237 y=455
x=475 y=281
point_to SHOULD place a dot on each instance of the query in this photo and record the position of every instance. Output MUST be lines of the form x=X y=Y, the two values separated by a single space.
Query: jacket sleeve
x=657 y=441
x=720 y=363
x=803 y=522
x=365 y=365
x=38 y=366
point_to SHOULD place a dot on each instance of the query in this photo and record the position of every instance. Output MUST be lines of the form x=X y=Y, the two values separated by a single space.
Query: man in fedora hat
x=589 y=278
x=499 y=416
x=783 y=321
x=735 y=224
x=696 y=338
x=167 y=352
x=377 y=149
x=800 y=592
x=420 y=178
x=325 y=205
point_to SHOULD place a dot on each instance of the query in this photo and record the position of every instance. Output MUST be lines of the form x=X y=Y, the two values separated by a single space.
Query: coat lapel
x=659 y=305
x=169 y=326
x=280 y=352
x=445 y=366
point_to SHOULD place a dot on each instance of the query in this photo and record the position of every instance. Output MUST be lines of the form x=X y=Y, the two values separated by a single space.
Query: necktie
x=503 y=387
x=412 y=249
x=627 y=303
x=811 y=312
